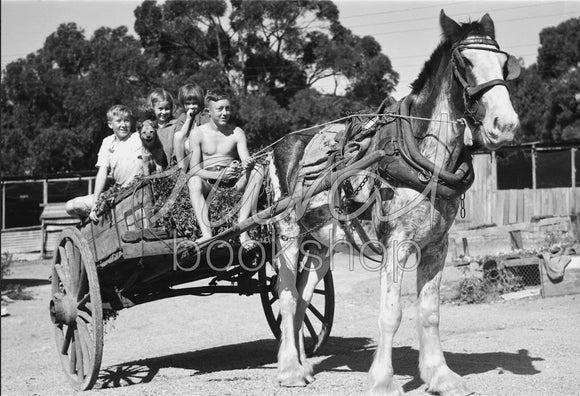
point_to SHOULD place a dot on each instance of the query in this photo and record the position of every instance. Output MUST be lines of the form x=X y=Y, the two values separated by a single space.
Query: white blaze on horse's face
x=500 y=119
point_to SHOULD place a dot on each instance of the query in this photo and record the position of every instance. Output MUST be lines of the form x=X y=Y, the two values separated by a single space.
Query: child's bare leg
x=200 y=209
x=250 y=197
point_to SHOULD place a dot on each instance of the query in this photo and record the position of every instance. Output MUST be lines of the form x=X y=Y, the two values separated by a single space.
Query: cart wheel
x=76 y=310
x=319 y=315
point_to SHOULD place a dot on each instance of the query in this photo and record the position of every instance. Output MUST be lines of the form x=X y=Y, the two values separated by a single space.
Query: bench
x=53 y=220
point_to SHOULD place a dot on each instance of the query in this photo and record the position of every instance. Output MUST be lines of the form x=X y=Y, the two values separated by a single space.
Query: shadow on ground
x=339 y=354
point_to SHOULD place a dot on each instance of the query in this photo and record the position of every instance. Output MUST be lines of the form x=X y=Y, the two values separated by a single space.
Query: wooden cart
x=123 y=261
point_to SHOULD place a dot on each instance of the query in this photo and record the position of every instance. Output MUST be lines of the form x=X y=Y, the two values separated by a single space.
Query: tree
x=547 y=94
x=55 y=101
x=270 y=48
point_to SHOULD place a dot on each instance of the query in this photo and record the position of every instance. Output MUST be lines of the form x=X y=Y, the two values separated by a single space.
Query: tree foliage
x=269 y=55
x=547 y=94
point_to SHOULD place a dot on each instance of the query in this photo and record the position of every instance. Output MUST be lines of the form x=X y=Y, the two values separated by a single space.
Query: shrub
x=476 y=290
x=6 y=263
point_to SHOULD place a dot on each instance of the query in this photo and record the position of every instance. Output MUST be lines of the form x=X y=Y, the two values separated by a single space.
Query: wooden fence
x=485 y=204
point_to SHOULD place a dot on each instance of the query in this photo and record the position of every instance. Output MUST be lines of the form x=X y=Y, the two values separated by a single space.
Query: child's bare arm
x=100 y=182
x=179 y=141
x=242 y=147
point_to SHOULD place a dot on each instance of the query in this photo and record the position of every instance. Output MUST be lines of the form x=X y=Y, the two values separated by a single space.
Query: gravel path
x=221 y=345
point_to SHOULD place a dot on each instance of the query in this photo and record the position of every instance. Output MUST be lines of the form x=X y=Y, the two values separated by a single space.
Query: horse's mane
x=430 y=67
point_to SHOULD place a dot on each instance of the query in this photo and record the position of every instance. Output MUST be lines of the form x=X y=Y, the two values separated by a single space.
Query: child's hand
x=231 y=171
x=248 y=163
x=93 y=215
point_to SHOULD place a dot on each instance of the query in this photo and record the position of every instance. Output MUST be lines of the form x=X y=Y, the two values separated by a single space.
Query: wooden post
x=465 y=247
x=573 y=166
x=45 y=191
x=3 y=205
x=90 y=186
x=534 y=184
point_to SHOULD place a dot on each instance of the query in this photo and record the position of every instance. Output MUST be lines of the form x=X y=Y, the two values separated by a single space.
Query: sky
x=408 y=31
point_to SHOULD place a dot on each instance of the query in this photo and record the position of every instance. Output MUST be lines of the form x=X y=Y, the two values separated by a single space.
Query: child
x=152 y=155
x=160 y=105
x=118 y=156
x=215 y=146
x=190 y=99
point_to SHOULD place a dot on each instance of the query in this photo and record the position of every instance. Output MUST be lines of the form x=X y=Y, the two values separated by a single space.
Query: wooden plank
x=21 y=241
x=569 y=285
x=151 y=248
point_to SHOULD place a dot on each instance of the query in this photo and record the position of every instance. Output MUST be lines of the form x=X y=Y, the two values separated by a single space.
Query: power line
x=434 y=17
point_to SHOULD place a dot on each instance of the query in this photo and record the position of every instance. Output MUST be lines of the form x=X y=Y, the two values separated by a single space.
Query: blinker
x=511 y=68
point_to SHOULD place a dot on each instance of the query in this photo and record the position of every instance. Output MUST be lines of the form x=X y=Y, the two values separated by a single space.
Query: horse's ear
x=488 y=26
x=451 y=29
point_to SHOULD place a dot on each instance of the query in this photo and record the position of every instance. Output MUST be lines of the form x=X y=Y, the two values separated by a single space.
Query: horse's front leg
x=381 y=372
x=432 y=366
x=316 y=265
x=290 y=371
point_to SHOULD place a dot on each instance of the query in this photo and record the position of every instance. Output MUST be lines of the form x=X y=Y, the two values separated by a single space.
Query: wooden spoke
x=73 y=359
x=86 y=338
x=311 y=330
x=63 y=277
x=83 y=285
x=72 y=266
x=67 y=340
x=85 y=316
x=79 y=359
x=319 y=291
x=316 y=313
x=273 y=299
x=83 y=301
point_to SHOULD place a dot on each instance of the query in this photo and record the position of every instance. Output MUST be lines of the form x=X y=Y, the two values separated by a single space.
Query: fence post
x=45 y=191
x=3 y=205
x=573 y=166
x=534 y=184
x=90 y=186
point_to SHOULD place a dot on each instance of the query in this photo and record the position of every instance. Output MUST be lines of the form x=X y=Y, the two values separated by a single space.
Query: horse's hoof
x=292 y=381
x=387 y=390
x=295 y=378
x=447 y=383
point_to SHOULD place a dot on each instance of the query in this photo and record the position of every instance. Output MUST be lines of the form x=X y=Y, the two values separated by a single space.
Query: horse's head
x=481 y=70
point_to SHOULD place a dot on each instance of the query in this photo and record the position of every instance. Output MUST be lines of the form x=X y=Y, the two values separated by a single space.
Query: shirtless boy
x=215 y=148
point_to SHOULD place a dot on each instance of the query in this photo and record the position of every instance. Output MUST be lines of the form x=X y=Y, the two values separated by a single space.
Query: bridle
x=474 y=112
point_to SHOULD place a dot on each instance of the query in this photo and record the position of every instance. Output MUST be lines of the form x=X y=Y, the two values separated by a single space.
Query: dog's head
x=148 y=132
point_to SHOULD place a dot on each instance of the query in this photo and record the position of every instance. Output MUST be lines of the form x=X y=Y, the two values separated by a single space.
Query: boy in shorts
x=215 y=148
x=118 y=157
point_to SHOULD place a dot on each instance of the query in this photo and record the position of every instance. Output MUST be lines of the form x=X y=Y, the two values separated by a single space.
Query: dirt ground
x=221 y=345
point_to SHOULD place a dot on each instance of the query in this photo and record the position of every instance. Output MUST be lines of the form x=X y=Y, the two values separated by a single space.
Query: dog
x=152 y=155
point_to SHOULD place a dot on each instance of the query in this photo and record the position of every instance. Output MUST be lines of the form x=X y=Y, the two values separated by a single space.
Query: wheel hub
x=63 y=309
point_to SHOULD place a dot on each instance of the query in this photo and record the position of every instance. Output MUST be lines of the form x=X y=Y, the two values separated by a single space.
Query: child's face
x=121 y=126
x=193 y=105
x=162 y=111
x=220 y=111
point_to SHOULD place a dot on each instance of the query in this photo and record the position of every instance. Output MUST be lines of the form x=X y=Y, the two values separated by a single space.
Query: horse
x=458 y=103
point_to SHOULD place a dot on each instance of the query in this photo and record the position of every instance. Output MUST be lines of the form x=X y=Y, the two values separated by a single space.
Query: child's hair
x=159 y=95
x=190 y=92
x=117 y=111
x=214 y=96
